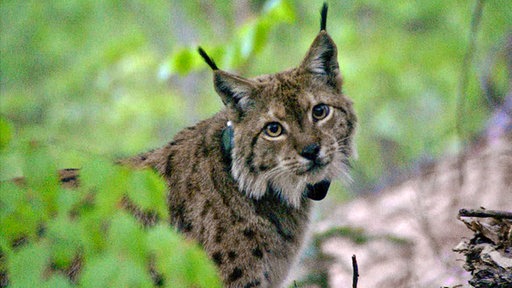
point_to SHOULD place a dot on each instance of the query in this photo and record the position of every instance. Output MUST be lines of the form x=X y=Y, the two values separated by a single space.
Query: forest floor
x=405 y=235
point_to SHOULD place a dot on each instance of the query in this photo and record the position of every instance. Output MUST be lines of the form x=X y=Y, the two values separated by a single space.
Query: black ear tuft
x=207 y=59
x=323 y=19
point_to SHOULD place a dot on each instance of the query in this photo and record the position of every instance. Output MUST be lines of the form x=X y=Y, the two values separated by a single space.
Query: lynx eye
x=320 y=111
x=273 y=129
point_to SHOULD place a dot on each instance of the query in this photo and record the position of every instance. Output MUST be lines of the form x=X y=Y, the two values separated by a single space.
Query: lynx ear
x=322 y=57
x=235 y=91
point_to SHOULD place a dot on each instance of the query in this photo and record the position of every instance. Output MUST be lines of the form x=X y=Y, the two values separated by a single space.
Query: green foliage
x=59 y=225
x=249 y=40
x=5 y=133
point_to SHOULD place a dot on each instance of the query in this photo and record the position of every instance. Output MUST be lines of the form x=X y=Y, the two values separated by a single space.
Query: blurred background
x=114 y=78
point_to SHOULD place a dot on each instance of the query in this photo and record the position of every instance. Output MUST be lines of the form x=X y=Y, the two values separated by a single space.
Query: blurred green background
x=115 y=78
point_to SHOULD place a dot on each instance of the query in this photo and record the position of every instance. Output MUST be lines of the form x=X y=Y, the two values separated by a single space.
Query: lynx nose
x=311 y=151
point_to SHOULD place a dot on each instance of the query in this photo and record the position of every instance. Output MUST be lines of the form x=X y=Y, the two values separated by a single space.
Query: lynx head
x=292 y=130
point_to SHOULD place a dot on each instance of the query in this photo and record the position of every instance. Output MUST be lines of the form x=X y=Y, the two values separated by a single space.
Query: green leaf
x=126 y=237
x=148 y=191
x=181 y=262
x=183 y=61
x=108 y=182
x=58 y=281
x=20 y=212
x=41 y=176
x=254 y=38
x=64 y=238
x=110 y=270
x=96 y=172
x=132 y=274
x=166 y=245
x=92 y=229
x=5 y=133
x=67 y=200
x=26 y=265
x=200 y=270
x=279 y=11
x=124 y=261
x=99 y=271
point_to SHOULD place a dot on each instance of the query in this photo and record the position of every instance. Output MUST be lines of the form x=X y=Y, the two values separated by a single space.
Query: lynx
x=241 y=182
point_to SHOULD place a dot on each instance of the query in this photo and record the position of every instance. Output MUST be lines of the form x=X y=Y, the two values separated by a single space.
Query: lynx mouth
x=313 y=167
x=318 y=191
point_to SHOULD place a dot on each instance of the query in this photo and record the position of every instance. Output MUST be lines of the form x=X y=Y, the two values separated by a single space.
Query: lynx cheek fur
x=241 y=182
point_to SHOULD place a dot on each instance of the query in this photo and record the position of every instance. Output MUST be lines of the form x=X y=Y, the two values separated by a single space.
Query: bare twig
x=485 y=213
x=355 y=273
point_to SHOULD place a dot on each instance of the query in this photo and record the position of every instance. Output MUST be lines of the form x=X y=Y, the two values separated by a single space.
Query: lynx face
x=296 y=133
x=292 y=129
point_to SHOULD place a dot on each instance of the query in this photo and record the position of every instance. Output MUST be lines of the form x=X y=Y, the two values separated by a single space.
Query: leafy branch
x=249 y=40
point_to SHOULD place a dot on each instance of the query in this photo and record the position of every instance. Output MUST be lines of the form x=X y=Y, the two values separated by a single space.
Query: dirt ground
x=404 y=236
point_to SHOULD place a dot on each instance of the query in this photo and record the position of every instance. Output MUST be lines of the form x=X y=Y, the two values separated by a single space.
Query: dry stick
x=485 y=213
x=355 y=273
x=462 y=91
